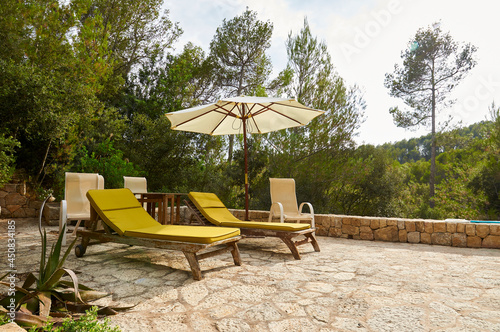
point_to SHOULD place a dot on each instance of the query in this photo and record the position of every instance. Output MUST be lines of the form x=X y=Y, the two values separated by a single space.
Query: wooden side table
x=161 y=212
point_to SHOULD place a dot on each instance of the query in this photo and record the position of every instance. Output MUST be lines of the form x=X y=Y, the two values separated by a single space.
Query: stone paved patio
x=349 y=286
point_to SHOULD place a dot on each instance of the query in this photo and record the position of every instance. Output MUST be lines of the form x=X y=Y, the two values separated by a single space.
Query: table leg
x=172 y=209
x=150 y=208
x=178 y=210
x=163 y=211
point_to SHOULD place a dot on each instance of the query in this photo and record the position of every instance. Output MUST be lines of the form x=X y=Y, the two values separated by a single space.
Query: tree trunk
x=432 y=178
x=230 y=150
x=43 y=162
x=433 y=169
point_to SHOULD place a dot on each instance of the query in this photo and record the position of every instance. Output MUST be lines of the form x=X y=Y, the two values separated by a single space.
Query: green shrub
x=4 y=320
x=105 y=159
x=7 y=146
x=86 y=323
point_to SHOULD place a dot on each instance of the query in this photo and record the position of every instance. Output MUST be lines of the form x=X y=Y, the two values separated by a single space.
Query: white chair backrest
x=100 y=182
x=283 y=191
x=138 y=185
x=76 y=187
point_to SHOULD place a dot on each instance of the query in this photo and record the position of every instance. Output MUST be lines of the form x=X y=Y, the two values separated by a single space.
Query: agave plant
x=48 y=294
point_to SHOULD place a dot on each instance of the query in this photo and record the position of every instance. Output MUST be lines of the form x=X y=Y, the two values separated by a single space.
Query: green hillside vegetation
x=415 y=149
x=82 y=89
x=467 y=173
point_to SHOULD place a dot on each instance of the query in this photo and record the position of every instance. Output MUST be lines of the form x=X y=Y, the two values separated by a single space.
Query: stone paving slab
x=349 y=286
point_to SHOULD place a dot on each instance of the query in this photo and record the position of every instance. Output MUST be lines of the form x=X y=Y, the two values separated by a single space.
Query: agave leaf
x=83 y=307
x=21 y=289
x=30 y=280
x=78 y=307
x=68 y=294
x=55 y=293
x=74 y=278
x=123 y=308
x=31 y=300
x=92 y=295
x=70 y=284
x=45 y=304
x=55 y=278
x=55 y=252
x=52 y=262
x=5 y=301
x=42 y=258
x=108 y=311
x=21 y=296
x=55 y=261
x=25 y=319
x=61 y=262
x=23 y=309
x=51 y=281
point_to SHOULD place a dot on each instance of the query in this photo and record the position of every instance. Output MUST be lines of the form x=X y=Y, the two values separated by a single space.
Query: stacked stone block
x=16 y=203
x=445 y=233
x=436 y=232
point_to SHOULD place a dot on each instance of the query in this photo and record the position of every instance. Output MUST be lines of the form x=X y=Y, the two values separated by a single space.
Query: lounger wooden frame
x=190 y=250
x=286 y=236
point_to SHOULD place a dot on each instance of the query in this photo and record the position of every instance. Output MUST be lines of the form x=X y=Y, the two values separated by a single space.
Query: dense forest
x=85 y=86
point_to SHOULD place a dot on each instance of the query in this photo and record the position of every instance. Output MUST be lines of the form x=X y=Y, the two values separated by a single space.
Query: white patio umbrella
x=241 y=115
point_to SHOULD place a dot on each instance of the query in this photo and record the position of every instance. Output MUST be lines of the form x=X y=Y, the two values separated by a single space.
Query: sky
x=365 y=39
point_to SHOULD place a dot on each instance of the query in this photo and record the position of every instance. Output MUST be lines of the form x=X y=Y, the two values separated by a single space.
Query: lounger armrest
x=282 y=217
x=311 y=209
x=63 y=218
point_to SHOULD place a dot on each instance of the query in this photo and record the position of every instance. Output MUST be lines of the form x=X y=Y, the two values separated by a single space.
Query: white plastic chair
x=75 y=205
x=138 y=185
x=284 y=202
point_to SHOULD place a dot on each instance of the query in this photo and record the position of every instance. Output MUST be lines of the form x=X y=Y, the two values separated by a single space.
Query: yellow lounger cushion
x=207 y=200
x=275 y=226
x=196 y=234
x=124 y=220
x=215 y=211
x=122 y=212
x=218 y=215
x=113 y=199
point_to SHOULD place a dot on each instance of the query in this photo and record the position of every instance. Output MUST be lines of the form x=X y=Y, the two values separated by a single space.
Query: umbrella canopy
x=241 y=115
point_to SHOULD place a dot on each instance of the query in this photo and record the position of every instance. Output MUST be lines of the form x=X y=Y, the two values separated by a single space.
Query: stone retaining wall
x=16 y=202
x=439 y=232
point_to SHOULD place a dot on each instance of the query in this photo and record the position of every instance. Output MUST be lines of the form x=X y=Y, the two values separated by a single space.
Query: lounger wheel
x=80 y=250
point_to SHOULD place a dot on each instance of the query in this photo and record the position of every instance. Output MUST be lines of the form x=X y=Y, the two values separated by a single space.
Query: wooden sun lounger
x=125 y=221
x=207 y=209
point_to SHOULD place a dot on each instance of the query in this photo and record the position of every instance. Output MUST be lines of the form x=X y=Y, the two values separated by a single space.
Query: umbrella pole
x=246 y=161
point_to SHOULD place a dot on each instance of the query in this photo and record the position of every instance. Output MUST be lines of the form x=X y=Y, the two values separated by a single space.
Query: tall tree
x=133 y=31
x=313 y=81
x=49 y=78
x=433 y=65
x=309 y=62
x=238 y=49
x=487 y=182
x=167 y=83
